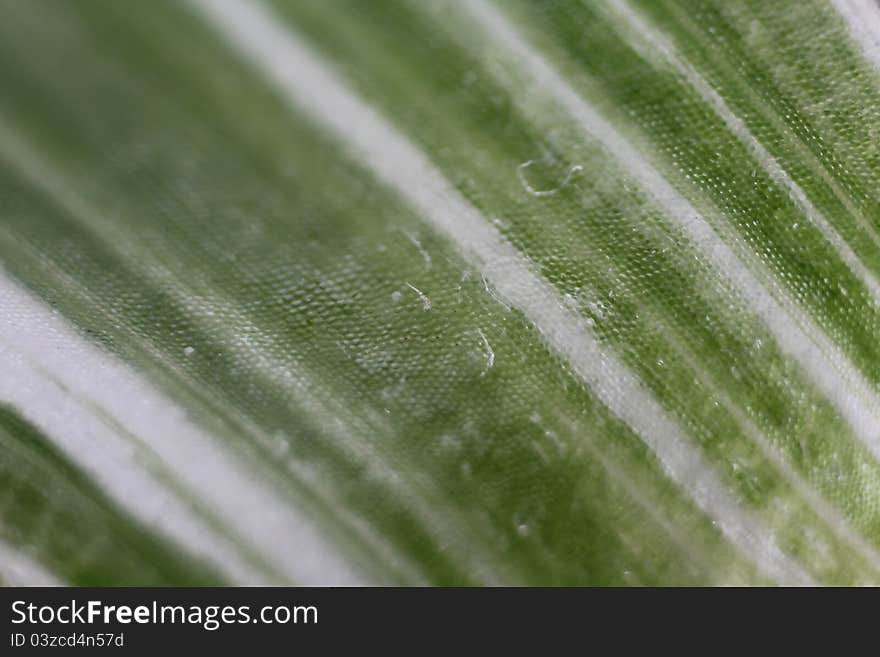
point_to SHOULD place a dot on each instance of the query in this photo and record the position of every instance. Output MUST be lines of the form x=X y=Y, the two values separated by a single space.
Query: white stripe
x=642 y=31
x=823 y=361
x=305 y=81
x=261 y=353
x=227 y=321
x=830 y=515
x=863 y=20
x=48 y=369
x=107 y=458
x=19 y=569
x=632 y=489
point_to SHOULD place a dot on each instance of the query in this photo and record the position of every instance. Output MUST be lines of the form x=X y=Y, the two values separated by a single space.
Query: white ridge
x=310 y=86
x=20 y=569
x=642 y=31
x=57 y=380
x=863 y=20
x=796 y=334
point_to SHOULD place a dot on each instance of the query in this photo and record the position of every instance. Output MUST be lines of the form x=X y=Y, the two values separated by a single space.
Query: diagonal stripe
x=863 y=20
x=46 y=361
x=639 y=26
x=306 y=83
x=227 y=320
x=797 y=336
x=19 y=569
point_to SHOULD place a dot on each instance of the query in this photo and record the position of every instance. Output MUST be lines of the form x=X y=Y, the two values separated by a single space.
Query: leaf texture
x=464 y=292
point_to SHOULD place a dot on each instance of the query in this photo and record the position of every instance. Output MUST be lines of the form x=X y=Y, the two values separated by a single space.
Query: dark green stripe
x=53 y=509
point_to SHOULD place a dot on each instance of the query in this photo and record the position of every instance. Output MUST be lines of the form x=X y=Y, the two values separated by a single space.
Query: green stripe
x=168 y=202
x=814 y=103
x=458 y=438
x=52 y=508
x=593 y=237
